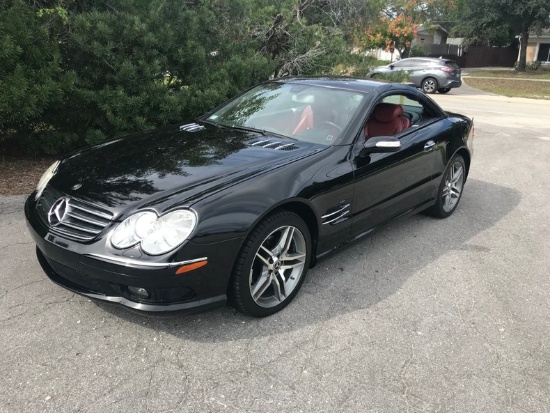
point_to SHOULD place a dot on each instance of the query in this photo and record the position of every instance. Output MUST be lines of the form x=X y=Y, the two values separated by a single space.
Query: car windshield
x=299 y=111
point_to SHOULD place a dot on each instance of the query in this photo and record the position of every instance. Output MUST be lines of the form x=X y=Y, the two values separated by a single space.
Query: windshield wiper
x=262 y=132
x=246 y=128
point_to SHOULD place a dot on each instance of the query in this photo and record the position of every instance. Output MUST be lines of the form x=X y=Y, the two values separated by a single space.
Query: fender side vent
x=336 y=213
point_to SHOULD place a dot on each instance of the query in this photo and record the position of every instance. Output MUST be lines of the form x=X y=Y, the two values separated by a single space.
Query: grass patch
x=530 y=74
x=512 y=88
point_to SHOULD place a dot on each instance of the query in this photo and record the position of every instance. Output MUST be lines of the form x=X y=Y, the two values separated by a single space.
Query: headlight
x=45 y=179
x=156 y=235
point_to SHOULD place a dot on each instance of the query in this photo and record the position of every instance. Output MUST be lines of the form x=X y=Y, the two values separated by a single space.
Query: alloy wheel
x=429 y=85
x=278 y=266
x=454 y=182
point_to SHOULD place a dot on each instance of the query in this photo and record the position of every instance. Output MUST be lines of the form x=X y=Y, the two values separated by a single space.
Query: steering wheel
x=412 y=116
x=332 y=128
x=332 y=125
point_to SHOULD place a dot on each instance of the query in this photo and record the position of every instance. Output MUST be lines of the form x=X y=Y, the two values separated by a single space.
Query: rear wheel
x=450 y=189
x=429 y=85
x=272 y=265
x=444 y=90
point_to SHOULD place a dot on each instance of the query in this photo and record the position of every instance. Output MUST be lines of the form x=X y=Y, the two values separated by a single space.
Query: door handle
x=429 y=146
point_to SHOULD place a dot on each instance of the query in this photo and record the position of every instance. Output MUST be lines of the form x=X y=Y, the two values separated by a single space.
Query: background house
x=538 y=47
x=432 y=39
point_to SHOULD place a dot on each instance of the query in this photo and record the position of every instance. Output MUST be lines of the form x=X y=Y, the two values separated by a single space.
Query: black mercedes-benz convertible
x=241 y=202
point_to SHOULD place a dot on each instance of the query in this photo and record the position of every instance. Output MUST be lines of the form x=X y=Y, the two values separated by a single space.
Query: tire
x=444 y=90
x=450 y=190
x=260 y=284
x=429 y=85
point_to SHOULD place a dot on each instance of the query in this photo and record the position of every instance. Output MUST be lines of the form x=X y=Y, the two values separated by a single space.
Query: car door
x=387 y=185
x=419 y=72
x=399 y=67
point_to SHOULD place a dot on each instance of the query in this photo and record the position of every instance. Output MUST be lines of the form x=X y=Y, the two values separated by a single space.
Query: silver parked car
x=427 y=73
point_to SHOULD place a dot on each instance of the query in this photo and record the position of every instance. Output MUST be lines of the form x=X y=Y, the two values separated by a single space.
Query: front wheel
x=450 y=189
x=429 y=85
x=272 y=265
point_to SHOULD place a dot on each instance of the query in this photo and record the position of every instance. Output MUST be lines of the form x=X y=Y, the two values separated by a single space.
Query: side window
x=414 y=62
x=401 y=63
x=395 y=115
x=414 y=110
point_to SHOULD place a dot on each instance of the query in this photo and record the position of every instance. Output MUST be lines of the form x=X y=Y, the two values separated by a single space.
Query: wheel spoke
x=292 y=260
x=261 y=285
x=447 y=202
x=278 y=289
x=455 y=192
x=456 y=174
x=262 y=254
x=286 y=239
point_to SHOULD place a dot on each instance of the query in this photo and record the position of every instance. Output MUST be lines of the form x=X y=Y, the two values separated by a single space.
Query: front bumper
x=82 y=269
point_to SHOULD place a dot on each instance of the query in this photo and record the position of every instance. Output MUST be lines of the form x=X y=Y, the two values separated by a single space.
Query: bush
x=357 y=65
x=32 y=82
x=536 y=65
x=81 y=74
x=417 y=51
x=396 y=77
x=77 y=77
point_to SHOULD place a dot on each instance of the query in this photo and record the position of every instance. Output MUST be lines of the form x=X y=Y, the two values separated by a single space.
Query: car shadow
x=355 y=278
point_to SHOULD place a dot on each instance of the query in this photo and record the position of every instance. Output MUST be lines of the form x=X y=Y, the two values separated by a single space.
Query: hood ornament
x=58 y=211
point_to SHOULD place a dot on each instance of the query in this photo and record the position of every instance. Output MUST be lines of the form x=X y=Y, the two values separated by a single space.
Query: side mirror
x=391 y=67
x=381 y=144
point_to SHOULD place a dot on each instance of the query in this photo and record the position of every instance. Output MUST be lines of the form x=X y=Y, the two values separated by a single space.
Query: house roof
x=543 y=36
x=430 y=29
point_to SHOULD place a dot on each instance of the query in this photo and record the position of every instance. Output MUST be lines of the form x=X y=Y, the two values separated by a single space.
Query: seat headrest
x=386 y=112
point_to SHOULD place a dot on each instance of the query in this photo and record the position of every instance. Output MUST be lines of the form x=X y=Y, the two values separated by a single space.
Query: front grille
x=82 y=221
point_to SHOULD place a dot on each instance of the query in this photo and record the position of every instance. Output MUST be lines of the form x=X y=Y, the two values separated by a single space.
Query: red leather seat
x=305 y=121
x=387 y=120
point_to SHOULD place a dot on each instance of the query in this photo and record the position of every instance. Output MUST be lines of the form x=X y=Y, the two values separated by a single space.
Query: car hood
x=172 y=166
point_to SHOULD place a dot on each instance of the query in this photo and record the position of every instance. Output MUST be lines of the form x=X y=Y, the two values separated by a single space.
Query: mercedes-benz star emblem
x=58 y=211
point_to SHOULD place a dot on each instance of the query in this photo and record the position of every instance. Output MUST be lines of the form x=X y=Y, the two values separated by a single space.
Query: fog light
x=140 y=291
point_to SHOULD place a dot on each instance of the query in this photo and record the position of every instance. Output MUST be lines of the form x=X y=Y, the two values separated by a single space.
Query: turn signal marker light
x=190 y=267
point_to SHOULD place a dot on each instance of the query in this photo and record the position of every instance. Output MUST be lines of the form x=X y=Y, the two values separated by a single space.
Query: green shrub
x=417 y=51
x=82 y=72
x=32 y=82
x=395 y=77
x=357 y=65
x=535 y=65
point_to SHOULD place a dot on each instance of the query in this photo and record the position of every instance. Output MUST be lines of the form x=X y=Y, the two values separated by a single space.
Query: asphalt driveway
x=428 y=315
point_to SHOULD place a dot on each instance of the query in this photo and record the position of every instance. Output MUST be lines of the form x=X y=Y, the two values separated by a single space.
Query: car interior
x=315 y=115
x=387 y=120
x=395 y=114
